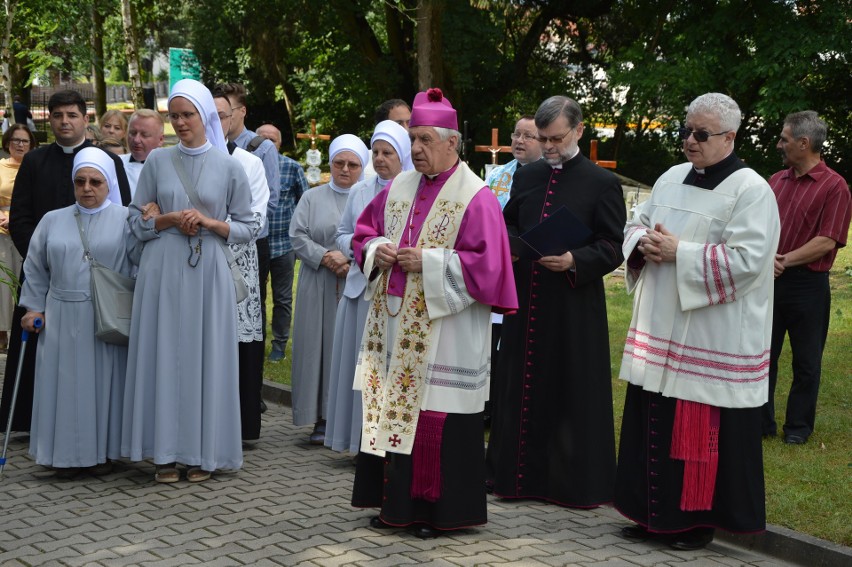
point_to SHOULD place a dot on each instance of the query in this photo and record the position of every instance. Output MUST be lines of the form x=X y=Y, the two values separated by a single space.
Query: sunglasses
x=699 y=135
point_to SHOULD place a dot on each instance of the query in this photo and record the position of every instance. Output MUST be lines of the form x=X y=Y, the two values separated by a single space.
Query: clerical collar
x=382 y=182
x=86 y=211
x=70 y=149
x=195 y=151
x=134 y=160
x=450 y=169
x=573 y=155
x=710 y=169
x=337 y=189
x=712 y=175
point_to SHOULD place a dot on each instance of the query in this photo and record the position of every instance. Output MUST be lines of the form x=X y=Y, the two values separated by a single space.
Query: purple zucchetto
x=431 y=108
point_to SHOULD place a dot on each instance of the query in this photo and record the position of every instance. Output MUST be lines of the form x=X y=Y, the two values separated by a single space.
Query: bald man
x=281 y=255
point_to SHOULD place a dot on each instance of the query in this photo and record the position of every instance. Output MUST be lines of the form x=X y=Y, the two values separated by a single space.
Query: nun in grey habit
x=79 y=379
x=391 y=149
x=181 y=401
x=322 y=277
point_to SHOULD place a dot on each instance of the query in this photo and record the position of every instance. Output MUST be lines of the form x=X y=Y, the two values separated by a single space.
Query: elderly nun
x=391 y=150
x=181 y=402
x=79 y=379
x=322 y=277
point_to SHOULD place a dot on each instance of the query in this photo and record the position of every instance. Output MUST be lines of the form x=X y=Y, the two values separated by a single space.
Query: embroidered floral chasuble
x=393 y=384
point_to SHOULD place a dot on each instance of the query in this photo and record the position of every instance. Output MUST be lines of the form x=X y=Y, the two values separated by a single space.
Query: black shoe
x=317 y=437
x=692 y=540
x=262 y=406
x=795 y=440
x=67 y=473
x=379 y=524
x=489 y=487
x=425 y=532
x=636 y=532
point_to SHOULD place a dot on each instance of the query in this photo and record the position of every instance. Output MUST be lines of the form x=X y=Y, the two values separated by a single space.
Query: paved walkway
x=288 y=506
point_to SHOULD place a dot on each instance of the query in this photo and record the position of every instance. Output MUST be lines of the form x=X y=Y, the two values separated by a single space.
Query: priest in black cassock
x=552 y=436
x=44 y=183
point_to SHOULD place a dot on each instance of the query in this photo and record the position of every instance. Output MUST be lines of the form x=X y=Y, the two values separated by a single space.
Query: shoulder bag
x=112 y=297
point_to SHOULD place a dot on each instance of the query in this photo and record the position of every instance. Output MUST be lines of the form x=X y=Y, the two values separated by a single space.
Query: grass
x=808 y=487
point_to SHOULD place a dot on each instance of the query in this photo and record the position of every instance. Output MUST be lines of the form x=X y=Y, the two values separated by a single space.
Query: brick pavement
x=289 y=505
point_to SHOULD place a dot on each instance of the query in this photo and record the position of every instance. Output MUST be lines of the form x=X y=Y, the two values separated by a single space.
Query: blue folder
x=560 y=232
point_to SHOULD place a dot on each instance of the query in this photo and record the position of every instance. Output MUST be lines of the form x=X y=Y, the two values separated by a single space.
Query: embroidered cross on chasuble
x=393 y=383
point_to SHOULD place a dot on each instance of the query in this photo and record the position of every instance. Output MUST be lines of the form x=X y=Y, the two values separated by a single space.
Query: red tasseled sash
x=695 y=440
x=426 y=456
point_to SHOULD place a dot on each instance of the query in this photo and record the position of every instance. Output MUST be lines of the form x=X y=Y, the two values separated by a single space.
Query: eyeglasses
x=175 y=116
x=81 y=182
x=222 y=115
x=20 y=141
x=699 y=135
x=342 y=164
x=527 y=137
x=237 y=107
x=553 y=139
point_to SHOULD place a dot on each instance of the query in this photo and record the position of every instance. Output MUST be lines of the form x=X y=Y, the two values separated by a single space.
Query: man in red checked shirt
x=814 y=206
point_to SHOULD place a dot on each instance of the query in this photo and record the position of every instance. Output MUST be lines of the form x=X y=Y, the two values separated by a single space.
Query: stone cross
x=313 y=136
x=593 y=156
x=494 y=148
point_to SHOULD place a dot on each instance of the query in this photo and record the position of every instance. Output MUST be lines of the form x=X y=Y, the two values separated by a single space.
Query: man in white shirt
x=144 y=134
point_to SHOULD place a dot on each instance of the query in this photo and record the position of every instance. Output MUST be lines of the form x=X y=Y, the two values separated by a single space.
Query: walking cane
x=24 y=336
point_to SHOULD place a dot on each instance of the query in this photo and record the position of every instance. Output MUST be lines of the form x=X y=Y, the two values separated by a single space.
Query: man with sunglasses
x=700 y=264
x=552 y=435
x=814 y=205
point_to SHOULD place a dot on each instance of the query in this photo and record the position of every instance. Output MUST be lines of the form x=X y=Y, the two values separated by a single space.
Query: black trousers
x=251 y=385
x=24 y=404
x=802 y=310
x=263 y=275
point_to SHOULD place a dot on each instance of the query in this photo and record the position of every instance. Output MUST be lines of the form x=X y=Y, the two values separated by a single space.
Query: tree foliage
x=633 y=64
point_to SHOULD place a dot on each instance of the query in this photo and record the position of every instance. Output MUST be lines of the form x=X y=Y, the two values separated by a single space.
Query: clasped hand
x=188 y=221
x=658 y=245
x=335 y=261
x=409 y=259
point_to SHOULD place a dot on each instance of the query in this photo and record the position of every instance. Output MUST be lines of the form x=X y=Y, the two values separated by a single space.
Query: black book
x=555 y=235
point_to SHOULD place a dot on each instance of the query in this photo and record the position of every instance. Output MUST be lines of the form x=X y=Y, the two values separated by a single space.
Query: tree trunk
x=5 y=55
x=98 y=80
x=131 y=49
x=429 y=44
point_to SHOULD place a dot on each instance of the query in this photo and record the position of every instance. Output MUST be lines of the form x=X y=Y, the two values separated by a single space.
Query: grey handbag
x=240 y=285
x=112 y=297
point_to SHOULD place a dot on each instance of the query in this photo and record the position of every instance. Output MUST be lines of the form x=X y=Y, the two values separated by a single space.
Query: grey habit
x=181 y=399
x=79 y=380
x=343 y=429
x=312 y=232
